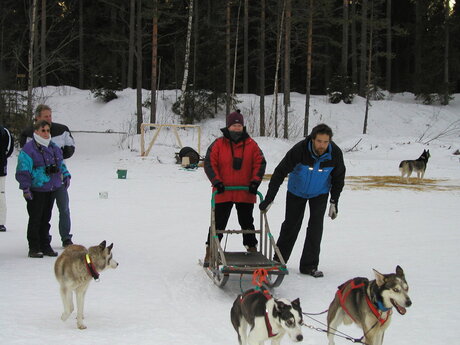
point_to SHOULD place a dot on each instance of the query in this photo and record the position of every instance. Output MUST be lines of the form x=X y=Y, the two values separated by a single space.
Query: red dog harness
x=343 y=297
x=267 y=320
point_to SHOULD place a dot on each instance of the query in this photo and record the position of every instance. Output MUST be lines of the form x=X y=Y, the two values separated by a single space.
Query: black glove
x=264 y=204
x=253 y=187
x=220 y=187
x=333 y=209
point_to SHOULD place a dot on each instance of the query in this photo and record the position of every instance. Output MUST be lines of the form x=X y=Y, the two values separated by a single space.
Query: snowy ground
x=158 y=218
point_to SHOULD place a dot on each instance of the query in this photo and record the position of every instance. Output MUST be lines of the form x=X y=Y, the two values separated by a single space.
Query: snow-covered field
x=158 y=219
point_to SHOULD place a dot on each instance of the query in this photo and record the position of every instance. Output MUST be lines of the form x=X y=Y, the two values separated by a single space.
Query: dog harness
x=91 y=268
x=267 y=320
x=375 y=310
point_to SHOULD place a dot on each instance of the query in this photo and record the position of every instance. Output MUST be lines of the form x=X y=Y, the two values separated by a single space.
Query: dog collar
x=91 y=268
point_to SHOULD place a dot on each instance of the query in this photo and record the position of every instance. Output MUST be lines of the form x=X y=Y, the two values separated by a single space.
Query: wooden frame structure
x=158 y=127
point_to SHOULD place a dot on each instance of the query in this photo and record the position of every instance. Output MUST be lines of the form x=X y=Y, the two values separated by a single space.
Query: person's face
x=44 y=132
x=320 y=143
x=45 y=115
x=236 y=127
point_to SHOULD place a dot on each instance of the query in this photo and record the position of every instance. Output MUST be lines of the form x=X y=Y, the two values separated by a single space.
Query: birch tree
x=187 y=50
x=30 y=80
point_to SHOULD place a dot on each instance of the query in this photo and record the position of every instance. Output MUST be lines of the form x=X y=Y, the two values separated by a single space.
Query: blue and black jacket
x=310 y=175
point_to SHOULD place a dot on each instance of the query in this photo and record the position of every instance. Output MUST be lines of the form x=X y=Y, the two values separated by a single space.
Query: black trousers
x=38 y=229
x=245 y=219
x=295 y=209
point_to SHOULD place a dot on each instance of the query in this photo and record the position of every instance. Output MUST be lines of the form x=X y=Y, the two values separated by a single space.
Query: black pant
x=295 y=209
x=245 y=218
x=38 y=229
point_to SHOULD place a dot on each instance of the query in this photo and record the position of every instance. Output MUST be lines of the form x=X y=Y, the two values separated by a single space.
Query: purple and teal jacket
x=31 y=171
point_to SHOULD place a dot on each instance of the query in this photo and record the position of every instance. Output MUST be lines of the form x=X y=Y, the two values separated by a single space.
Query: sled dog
x=419 y=166
x=268 y=318
x=369 y=304
x=74 y=269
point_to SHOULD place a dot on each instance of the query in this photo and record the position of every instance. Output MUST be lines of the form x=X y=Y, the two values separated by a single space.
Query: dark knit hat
x=235 y=117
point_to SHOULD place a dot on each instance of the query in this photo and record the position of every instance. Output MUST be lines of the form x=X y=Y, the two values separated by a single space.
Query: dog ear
x=399 y=271
x=102 y=244
x=110 y=247
x=296 y=302
x=379 y=278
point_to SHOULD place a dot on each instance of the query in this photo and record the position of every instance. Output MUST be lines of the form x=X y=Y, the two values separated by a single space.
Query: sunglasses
x=44 y=130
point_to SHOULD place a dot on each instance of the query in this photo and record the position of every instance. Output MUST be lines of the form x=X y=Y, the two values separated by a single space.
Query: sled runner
x=222 y=263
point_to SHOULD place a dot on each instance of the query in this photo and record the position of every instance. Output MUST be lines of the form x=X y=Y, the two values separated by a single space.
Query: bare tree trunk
x=43 y=45
x=187 y=49
x=354 y=48
x=81 y=65
x=227 y=60
x=277 y=67
x=362 y=74
x=445 y=100
x=262 y=68
x=132 y=26
x=30 y=81
x=139 y=66
x=235 y=54
x=369 y=71
x=345 y=39
x=153 y=87
x=389 y=48
x=246 y=43
x=418 y=47
x=287 y=69
x=309 y=56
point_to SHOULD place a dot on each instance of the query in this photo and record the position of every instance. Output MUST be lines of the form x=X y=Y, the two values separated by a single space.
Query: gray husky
x=369 y=304
x=418 y=165
x=266 y=317
x=74 y=269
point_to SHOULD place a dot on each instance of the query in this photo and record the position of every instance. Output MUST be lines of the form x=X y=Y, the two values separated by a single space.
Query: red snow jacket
x=218 y=166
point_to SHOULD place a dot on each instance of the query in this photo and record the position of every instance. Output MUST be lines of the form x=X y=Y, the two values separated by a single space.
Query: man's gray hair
x=40 y=108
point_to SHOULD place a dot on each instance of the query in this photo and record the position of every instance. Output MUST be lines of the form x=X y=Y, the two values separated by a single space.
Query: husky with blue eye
x=369 y=304
x=257 y=317
x=74 y=270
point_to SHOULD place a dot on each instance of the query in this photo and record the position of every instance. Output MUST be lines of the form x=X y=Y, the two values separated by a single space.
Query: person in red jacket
x=235 y=159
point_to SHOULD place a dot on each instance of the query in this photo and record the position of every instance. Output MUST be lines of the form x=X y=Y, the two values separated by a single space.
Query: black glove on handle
x=253 y=187
x=264 y=204
x=220 y=187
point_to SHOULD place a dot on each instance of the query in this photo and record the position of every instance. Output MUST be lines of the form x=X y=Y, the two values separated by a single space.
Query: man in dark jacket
x=61 y=136
x=6 y=149
x=316 y=168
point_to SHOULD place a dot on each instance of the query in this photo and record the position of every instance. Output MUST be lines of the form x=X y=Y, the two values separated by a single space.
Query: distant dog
x=419 y=166
x=267 y=318
x=74 y=269
x=369 y=304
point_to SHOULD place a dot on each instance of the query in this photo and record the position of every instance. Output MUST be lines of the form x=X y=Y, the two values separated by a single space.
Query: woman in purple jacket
x=40 y=172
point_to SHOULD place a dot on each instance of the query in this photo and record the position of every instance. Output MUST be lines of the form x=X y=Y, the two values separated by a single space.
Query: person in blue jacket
x=41 y=172
x=316 y=169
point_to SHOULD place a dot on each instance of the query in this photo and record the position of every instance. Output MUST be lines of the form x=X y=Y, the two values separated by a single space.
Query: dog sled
x=223 y=263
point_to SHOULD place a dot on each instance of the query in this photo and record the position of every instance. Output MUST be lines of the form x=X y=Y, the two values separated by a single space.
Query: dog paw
x=65 y=316
x=81 y=326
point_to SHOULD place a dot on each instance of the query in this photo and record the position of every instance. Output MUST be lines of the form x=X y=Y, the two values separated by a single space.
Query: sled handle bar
x=213 y=201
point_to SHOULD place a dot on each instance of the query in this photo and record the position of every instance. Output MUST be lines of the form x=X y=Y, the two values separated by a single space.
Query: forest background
x=212 y=50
